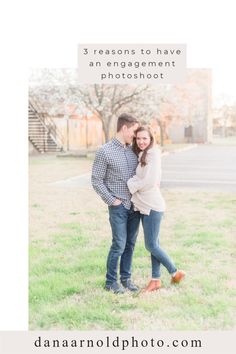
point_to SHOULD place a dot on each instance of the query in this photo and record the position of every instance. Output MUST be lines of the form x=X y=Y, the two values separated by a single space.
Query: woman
x=147 y=198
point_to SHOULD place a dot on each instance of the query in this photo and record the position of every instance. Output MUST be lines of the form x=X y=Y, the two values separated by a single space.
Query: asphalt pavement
x=206 y=167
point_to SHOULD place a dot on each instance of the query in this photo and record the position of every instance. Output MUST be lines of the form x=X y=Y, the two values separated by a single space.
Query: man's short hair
x=126 y=119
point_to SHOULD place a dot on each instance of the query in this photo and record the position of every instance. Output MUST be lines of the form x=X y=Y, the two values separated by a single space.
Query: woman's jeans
x=151 y=227
x=124 y=225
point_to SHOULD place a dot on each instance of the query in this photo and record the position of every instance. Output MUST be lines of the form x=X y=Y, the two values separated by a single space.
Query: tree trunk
x=106 y=134
x=224 y=129
x=161 y=132
x=105 y=128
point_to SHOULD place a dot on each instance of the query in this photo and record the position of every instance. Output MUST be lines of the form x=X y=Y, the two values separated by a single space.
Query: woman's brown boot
x=178 y=277
x=153 y=285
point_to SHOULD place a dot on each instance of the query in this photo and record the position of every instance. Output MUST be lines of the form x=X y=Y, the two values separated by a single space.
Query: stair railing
x=47 y=122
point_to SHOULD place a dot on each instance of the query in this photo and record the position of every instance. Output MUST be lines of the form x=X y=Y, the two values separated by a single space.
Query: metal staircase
x=42 y=131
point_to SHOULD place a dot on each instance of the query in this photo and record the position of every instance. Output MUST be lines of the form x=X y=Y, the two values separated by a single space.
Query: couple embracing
x=126 y=174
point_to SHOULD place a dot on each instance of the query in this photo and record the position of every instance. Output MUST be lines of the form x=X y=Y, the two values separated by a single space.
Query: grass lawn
x=70 y=239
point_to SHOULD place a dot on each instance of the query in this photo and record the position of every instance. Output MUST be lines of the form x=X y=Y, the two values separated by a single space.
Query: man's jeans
x=124 y=225
x=151 y=227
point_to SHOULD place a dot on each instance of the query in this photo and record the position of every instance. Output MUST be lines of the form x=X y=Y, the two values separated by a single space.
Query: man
x=114 y=164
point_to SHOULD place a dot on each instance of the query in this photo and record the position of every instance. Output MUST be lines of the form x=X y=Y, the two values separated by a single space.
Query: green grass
x=67 y=271
x=36 y=205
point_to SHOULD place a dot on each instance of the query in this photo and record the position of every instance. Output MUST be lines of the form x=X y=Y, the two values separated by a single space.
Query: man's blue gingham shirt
x=114 y=164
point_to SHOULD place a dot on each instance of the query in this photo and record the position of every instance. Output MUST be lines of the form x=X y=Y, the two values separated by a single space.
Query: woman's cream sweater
x=145 y=185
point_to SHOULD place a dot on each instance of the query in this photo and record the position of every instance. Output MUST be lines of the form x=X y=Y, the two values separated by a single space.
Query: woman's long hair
x=135 y=147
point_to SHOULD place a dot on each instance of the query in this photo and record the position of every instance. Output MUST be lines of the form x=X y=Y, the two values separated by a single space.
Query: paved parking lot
x=204 y=167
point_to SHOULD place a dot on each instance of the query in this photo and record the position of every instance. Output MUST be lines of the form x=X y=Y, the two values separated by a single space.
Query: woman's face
x=143 y=140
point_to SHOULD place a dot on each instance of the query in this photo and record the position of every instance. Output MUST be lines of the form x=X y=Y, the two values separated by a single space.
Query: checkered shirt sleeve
x=113 y=166
x=99 y=171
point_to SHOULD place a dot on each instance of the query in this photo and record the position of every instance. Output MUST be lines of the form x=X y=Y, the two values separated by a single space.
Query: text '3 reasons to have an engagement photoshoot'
x=132 y=63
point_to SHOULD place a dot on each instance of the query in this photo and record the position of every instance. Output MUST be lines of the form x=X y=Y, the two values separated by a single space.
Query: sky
x=46 y=34
x=206 y=28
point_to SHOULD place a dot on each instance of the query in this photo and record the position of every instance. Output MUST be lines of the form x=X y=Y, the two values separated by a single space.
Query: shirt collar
x=118 y=143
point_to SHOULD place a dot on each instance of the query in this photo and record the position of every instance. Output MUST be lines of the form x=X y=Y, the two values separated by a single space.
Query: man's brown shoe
x=179 y=276
x=153 y=285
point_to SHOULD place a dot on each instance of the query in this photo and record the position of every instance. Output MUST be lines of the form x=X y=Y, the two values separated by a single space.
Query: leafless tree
x=59 y=92
x=155 y=103
x=56 y=89
x=107 y=101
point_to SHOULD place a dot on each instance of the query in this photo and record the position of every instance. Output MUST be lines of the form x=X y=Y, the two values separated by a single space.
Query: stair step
x=33 y=123
x=42 y=135
x=36 y=135
x=38 y=127
x=44 y=141
x=38 y=132
x=41 y=142
x=46 y=147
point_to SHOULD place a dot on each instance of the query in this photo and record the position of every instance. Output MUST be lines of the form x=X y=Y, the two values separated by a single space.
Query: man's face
x=128 y=133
